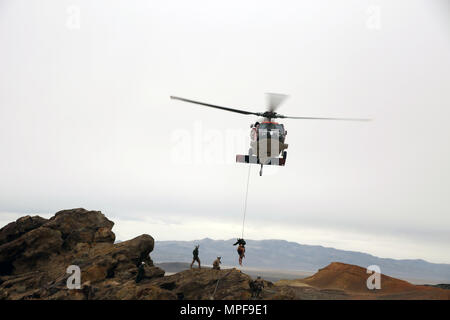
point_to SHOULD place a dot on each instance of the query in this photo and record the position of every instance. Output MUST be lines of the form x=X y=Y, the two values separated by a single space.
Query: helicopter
x=267 y=145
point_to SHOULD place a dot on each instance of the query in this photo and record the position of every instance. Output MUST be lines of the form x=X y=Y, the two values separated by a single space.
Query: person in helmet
x=216 y=263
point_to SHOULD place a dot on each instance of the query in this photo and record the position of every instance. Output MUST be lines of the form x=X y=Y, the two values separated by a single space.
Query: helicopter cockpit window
x=273 y=129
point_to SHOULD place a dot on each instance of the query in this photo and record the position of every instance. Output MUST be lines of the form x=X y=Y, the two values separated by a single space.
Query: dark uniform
x=140 y=273
x=256 y=286
x=195 y=257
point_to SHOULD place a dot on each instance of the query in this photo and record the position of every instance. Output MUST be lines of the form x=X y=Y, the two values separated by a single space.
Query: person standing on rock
x=216 y=263
x=257 y=287
x=195 y=256
x=141 y=272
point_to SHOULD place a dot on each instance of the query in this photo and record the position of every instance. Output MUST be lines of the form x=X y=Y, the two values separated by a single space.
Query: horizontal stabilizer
x=253 y=159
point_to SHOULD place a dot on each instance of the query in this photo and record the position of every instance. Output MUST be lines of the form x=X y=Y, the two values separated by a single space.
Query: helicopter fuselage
x=267 y=140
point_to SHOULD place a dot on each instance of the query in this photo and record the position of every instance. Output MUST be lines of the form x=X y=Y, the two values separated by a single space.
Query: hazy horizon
x=116 y=227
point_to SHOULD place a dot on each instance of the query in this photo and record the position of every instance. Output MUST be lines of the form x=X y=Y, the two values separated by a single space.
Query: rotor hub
x=270 y=115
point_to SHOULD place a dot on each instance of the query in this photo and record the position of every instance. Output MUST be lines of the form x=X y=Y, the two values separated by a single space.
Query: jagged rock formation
x=35 y=253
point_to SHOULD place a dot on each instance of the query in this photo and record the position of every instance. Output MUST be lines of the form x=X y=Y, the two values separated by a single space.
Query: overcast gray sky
x=86 y=119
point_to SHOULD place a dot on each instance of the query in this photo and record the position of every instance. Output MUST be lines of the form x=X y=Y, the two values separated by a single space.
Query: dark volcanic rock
x=29 y=251
x=80 y=225
x=22 y=225
x=207 y=284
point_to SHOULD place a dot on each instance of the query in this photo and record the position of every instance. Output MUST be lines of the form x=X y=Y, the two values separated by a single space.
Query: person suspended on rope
x=216 y=263
x=195 y=256
x=240 y=241
x=241 y=249
x=241 y=253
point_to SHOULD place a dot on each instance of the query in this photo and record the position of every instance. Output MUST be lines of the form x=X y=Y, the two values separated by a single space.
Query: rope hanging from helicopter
x=245 y=203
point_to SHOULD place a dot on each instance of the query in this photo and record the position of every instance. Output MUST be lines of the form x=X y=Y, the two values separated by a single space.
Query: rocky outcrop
x=205 y=284
x=82 y=226
x=35 y=253
x=15 y=229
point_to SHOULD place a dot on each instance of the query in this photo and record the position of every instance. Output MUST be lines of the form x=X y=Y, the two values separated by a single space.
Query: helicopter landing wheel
x=260 y=171
x=284 y=155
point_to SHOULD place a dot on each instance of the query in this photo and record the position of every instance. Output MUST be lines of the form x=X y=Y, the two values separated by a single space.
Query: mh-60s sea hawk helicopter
x=267 y=136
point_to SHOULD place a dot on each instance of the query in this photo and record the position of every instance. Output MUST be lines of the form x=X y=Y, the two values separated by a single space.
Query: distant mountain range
x=284 y=255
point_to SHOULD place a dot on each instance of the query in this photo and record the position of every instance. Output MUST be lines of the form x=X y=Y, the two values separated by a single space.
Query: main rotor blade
x=214 y=106
x=314 y=118
x=274 y=100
